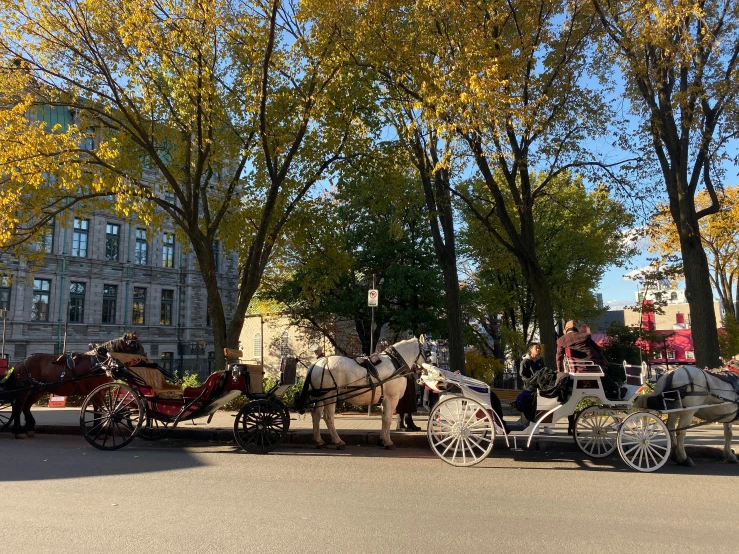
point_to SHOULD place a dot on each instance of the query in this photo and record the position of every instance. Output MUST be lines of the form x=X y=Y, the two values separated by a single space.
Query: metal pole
x=372 y=336
x=4 y=313
x=66 y=327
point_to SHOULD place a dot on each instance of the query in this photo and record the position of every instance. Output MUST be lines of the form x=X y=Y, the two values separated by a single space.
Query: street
x=61 y=495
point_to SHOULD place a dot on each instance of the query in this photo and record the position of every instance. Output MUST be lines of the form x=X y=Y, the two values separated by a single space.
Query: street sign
x=373 y=298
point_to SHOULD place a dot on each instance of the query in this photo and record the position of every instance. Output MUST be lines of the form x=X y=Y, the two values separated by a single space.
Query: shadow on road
x=49 y=457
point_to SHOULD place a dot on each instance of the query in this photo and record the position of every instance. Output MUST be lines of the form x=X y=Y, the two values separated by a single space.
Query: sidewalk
x=359 y=429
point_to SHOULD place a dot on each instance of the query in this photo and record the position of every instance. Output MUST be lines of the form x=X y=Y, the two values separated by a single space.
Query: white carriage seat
x=575 y=365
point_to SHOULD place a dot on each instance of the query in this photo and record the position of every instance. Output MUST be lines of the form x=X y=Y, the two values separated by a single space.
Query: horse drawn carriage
x=131 y=396
x=140 y=402
x=463 y=425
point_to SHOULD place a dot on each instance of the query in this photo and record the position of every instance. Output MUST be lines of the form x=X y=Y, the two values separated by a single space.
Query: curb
x=371 y=438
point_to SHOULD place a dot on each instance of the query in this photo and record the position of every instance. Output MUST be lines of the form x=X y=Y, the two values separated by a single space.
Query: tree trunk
x=537 y=282
x=699 y=294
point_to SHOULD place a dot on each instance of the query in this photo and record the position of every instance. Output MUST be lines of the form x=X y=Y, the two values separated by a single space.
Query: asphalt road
x=60 y=495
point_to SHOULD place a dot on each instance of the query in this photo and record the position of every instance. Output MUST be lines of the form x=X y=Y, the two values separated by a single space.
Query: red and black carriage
x=140 y=401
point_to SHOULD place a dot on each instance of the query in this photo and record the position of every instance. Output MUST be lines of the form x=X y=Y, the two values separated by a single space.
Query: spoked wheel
x=260 y=426
x=461 y=431
x=154 y=429
x=111 y=416
x=596 y=431
x=6 y=414
x=644 y=442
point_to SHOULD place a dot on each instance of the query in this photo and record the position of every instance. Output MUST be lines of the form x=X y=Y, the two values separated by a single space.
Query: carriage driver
x=581 y=346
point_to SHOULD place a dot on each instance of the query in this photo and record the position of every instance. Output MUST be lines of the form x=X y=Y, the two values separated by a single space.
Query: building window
x=216 y=255
x=258 y=346
x=110 y=297
x=139 y=306
x=166 y=313
x=5 y=283
x=689 y=355
x=673 y=297
x=166 y=362
x=670 y=354
x=211 y=362
x=45 y=239
x=141 y=254
x=168 y=250
x=285 y=345
x=76 y=302
x=79 y=237
x=112 y=242
x=40 y=307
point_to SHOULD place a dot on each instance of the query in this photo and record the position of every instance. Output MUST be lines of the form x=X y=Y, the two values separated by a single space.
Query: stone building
x=102 y=276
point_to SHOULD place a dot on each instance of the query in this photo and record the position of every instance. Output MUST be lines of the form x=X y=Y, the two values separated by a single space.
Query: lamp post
x=4 y=315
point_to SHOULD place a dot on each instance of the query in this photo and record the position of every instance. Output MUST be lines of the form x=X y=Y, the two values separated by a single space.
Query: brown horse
x=66 y=375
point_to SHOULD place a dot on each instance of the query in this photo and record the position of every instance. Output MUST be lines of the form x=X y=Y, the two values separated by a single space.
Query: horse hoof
x=30 y=434
x=390 y=447
x=687 y=462
x=21 y=436
x=341 y=446
x=322 y=446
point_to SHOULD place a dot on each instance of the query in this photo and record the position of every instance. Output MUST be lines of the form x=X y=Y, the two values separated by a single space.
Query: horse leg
x=28 y=416
x=671 y=426
x=729 y=455
x=18 y=405
x=328 y=414
x=388 y=408
x=686 y=419
x=316 y=414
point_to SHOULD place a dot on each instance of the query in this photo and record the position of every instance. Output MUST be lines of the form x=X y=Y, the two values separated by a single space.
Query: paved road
x=60 y=495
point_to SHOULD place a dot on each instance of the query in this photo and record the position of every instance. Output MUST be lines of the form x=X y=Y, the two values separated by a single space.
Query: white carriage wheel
x=644 y=442
x=461 y=431
x=596 y=432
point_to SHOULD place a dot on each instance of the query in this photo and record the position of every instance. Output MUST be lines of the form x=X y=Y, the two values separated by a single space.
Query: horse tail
x=301 y=402
x=643 y=400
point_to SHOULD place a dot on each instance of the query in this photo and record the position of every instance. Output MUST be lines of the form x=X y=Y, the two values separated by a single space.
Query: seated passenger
x=580 y=345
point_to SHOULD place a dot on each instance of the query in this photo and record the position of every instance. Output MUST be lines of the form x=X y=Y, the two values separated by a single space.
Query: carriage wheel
x=154 y=429
x=260 y=426
x=111 y=416
x=644 y=442
x=596 y=432
x=6 y=414
x=461 y=431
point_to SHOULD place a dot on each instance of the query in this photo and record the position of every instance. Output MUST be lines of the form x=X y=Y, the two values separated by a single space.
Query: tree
x=372 y=224
x=578 y=235
x=679 y=63
x=503 y=81
x=719 y=234
x=238 y=108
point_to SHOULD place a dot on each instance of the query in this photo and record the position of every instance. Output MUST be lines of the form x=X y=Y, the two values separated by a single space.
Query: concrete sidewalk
x=359 y=429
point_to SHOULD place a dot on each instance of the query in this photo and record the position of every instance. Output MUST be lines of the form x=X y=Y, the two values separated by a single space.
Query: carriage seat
x=155 y=379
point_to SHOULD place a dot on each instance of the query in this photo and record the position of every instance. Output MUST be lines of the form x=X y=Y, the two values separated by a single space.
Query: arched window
x=258 y=346
x=673 y=296
x=285 y=345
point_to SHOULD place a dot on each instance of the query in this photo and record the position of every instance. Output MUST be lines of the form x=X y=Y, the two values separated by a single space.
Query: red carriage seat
x=213 y=382
x=3 y=367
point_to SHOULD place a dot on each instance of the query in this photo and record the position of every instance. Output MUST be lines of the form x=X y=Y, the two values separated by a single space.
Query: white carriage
x=462 y=425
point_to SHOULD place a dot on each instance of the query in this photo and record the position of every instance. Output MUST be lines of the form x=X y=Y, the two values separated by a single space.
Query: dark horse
x=66 y=375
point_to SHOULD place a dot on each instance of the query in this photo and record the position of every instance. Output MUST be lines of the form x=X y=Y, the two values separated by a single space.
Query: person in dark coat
x=526 y=401
x=407 y=406
x=532 y=363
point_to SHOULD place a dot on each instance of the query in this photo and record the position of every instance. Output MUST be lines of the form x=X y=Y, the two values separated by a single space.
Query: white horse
x=337 y=375
x=702 y=388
